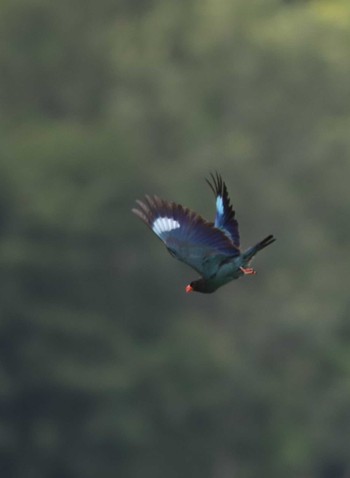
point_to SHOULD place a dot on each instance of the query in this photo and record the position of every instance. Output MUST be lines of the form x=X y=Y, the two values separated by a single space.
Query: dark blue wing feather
x=187 y=236
x=225 y=215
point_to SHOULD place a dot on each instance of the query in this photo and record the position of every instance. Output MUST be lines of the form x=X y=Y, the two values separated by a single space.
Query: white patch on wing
x=164 y=224
x=219 y=205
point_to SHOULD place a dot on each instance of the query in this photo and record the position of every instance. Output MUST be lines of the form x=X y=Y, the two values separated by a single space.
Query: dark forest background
x=107 y=368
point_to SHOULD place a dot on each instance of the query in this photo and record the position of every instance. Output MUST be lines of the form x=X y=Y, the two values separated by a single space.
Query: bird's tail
x=250 y=253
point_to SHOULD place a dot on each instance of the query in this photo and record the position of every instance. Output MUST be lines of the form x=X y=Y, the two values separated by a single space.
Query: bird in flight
x=212 y=249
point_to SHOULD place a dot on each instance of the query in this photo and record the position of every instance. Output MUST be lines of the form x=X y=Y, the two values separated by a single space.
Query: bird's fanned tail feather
x=249 y=253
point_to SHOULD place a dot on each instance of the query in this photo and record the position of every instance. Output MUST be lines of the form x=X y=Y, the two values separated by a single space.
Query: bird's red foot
x=248 y=271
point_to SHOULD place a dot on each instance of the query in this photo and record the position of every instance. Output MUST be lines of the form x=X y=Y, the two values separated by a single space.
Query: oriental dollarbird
x=212 y=249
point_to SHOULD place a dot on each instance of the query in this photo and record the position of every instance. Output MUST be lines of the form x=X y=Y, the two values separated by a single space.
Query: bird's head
x=201 y=285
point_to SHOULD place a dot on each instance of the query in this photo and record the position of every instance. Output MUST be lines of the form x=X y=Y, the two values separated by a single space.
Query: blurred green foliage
x=107 y=368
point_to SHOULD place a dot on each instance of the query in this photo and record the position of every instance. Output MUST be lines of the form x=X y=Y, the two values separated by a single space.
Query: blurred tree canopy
x=107 y=368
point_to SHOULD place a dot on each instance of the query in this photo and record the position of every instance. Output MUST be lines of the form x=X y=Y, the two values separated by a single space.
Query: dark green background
x=107 y=368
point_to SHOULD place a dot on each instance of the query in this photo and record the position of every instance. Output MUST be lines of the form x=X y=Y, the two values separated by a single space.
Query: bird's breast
x=230 y=270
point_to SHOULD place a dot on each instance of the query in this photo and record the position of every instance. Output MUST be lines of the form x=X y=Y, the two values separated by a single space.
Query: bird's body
x=212 y=249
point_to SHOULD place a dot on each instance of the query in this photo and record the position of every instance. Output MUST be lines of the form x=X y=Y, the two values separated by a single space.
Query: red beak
x=189 y=288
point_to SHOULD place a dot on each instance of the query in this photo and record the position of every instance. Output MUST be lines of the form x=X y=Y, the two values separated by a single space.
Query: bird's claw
x=248 y=271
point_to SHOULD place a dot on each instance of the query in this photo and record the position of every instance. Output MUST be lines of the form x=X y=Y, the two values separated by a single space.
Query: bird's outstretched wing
x=225 y=215
x=187 y=236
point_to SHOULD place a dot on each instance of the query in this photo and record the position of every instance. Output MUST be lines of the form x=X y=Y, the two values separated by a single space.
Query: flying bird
x=212 y=249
